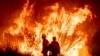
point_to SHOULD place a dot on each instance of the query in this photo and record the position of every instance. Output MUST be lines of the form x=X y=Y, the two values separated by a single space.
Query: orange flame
x=59 y=22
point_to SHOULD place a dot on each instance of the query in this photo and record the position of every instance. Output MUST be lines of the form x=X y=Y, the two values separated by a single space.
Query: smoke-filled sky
x=8 y=8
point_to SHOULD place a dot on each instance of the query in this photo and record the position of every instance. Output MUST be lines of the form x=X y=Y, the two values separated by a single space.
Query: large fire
x=25 y=32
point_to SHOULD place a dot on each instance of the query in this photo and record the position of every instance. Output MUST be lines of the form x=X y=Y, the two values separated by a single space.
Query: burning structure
x=71 y=28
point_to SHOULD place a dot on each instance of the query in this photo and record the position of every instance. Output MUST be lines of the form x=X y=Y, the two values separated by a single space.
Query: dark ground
x=10 y=52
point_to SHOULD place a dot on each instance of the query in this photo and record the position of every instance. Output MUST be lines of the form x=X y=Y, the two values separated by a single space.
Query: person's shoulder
x=51 y=42
x=56 y=41
x=46 y=40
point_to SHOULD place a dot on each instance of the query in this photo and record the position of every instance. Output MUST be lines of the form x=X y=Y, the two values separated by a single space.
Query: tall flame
x=57 y=22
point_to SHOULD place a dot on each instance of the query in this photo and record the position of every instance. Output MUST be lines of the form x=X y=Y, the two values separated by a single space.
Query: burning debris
x=68 y=26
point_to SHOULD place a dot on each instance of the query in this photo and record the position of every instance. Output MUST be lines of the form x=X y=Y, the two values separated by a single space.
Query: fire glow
x=26 y=36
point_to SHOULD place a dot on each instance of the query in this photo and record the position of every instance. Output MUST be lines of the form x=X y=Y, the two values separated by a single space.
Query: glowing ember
x=58 y=22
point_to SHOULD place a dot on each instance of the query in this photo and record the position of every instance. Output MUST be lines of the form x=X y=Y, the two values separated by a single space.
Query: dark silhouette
x=54 y=47
x=44 y=45
x=10 y=52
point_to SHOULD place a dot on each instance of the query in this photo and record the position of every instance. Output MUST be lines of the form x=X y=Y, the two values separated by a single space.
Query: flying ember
x=68 y=26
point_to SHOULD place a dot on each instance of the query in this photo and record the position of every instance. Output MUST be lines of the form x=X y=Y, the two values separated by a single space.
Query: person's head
x=43 y=36
x=54 y=38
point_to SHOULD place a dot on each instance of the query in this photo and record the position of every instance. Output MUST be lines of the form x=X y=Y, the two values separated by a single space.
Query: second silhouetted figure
x=54 y=47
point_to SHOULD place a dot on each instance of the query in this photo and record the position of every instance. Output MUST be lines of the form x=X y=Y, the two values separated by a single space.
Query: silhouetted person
x=44 y=45
x=54 y=47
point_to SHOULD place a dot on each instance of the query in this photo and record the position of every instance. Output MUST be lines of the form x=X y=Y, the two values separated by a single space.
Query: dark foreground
x=10 y=52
